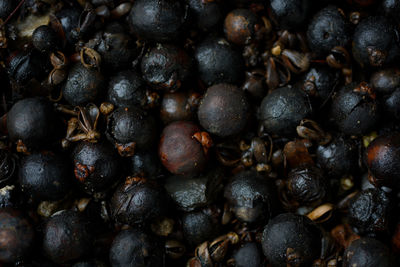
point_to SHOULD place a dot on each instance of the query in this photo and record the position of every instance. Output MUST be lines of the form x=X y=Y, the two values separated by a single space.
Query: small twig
x=12 y=13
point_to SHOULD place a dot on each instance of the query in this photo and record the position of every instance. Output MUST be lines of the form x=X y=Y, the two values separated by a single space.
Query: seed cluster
x=199 y=133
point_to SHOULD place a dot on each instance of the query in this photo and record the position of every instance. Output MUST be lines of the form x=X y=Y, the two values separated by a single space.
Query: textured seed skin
x=83 y=85
x=392 y=104
x=179 y=152
x=167 y=67
x=133 y=124
x=117 y=48
x=291 y=233
x=17 y=235
x=328 y=29
x=156 y=20
x=224 y=110
x=383 y=160
x=31 y=120
x=193 y=193
x=290 y=14
x=126 y=89
x=134 y=247
x=176 y=107
x=369 y=212
x=240 y=26
x=67 y=237
x=206 y=15
x=323 y=81
x=352 y=112
x=307 y=184
x=199 y=227
x=96 y=166
x=283 y=109
x=146 y=164
x=374 y=42
x=385 y=81
x=44 y=38
x=339 y=157
x=218 y=62
x=248 y=254
x=45 y=176
x=139 y=202
x=251 y=197
x=367 y=251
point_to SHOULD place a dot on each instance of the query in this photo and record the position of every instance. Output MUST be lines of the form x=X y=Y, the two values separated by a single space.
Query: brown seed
x=179 y=151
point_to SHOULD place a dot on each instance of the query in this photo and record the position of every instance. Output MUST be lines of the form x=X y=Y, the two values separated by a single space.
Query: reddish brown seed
x=180 y=151
x=383 y=160
x=16 y=235
x=176 y=107
x=240 y=26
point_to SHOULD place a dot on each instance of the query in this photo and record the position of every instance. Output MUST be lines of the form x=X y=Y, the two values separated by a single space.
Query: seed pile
x=201 y=133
